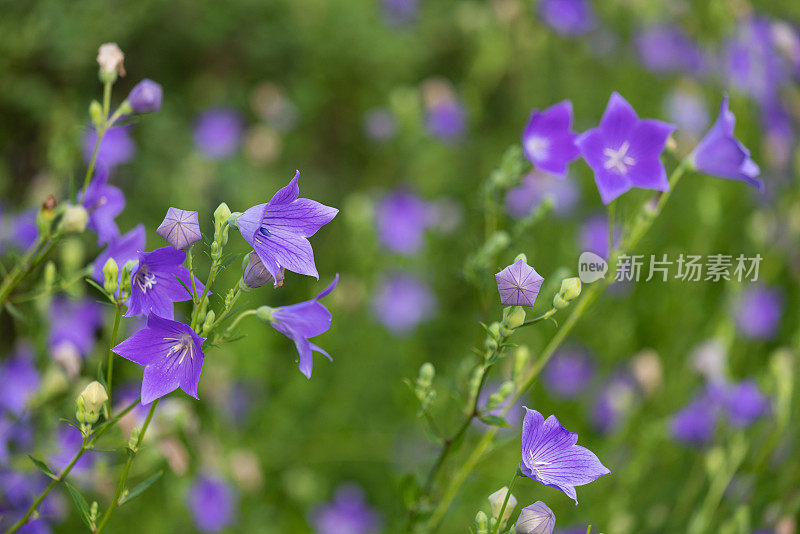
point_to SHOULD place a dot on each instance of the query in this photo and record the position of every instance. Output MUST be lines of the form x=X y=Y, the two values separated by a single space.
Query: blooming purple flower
x=446 y=120
x=695 y=424
x=103 y=202
x=568 y=372
x=212 y=502
x=402 y=302
x=667 y=48
x=594 y=235
x=536 y=518
x=180 y=228
x=379 y=125
x=536 y=187
x=117 y=146
x=20 y=381
x=74 y=324
x=347 y=513
x=277 y=230
x=624 y=151
x=550 y=455
x=218 y=133
x=171 y=354
x=122 y=249
x=759 y=312
x=155 y=283
x=518 y=284
x=302 y=321
x=744 y=403
x=568 y=17
x=402 y=219
x=146 y=96
x=548 y=140
x=720 y=154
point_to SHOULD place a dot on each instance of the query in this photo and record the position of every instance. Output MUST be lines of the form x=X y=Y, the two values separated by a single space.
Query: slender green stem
x=212 y=274
x=111 y=345
x=241 y=316
x=126 y=470
x=189 y=262
x=228 y=307
x=33 y=257
x=505 y=502
x=549 y=313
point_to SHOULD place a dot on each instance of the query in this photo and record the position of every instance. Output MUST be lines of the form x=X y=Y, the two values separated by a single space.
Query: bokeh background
x=371 y=100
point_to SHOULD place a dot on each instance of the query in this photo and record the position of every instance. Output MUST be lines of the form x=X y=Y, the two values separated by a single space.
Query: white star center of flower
x=618 y=159
x=145 y=279
x=537 y=147
x=184 y=346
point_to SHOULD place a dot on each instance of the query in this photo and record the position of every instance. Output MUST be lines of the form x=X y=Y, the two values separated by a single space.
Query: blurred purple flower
x=212 y=503
x=548 y=140
x=347 y=513
x=614 y=402
x=156 y=283
x=446 y=120
x=74 y=324
x=146 y=96
x=402 y=302
x=180 y=228
x=624 y=151
x=20 y=380
x=551 y=456
x=379 y=124
x=171 y=354
x=535 y=188
x=278 y=230
x=400 y=12
x=695 y=424
x=667 y=48
x=23 y=229
x=122 y=249
x=568 y=17
x=515 y=414
x=568 y=372
x=103 y=202
x=687 y=110
x=402 y=219
x=778 y=127
x=218 y=133
x=744 y=403
x=117 y=146
x=518 y=284
x=594 y=235
x=751 y=62
x=759 y=312
x=68 y=443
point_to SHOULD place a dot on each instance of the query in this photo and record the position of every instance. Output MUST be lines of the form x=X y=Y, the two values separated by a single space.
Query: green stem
x=33 y=257
x=189 y=260
x=542 y=317
x=505 y=502
x=241 y=316
x=126 y=470
x=113 y=344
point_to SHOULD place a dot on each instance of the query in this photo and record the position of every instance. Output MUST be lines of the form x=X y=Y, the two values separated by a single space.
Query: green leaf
x=132 y=494
x=80 y=503
x=493 y=420
x=43 y=467
x=15 y=313
x=186 y=287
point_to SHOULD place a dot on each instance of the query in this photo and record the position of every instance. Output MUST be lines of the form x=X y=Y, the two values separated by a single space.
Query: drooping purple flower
x=759 y=312
x=302 y=321
x=180 y=228
x=446 y=120
x=518 y=284
x=400 y=12
x=146 y=96
x=103 y=202
x=117 y=146
x=720 y=154
x=568 y=17
x=402 y=219
x=212 y=502
x=347 y=513
x=695 y=424
x=171 y=354
x=536 y=187
x=550 y=455
x=687 y=110
x=548 y=140
x=568 y=372
x=667 y=48
x=277 y=230
x=218 y=133
x=155 y=284
x=624 y=151
x=402 y=302
x=379 y=125
x=122 y=249
x=19 y=379
x=744 y=403
x=614 y=402
x=536 y=518
x=74 y=325
x=594 y=235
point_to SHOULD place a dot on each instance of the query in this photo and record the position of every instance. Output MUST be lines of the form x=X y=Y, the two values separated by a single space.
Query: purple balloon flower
x=536 y=518
x=155 y=284
x=402 y=302
x=548 y=139
x=171 y=354
x=212 y=502
x=518 y=284
x=347 y=513
x=568 y=372
x=20 y=381
x=117 y=146
x=568 y=17
x=446 y=120
x=146 y=96
x=122 y=249
x=759 y=312
x=535 y=188
x=550 y=455
x=720 y=154
x=180 y=228
x=402 y=219
x=624 y=151
x=103 y=202
x=74 y=324
x=218 y=133
x=667 y=48
x=277 y=230
x=302 y=321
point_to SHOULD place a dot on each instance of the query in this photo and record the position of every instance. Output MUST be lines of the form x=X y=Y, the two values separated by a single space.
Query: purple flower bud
x=537 y=518
x=180 y=228
x=146 y=96
x=518 y=284
x=256 y=275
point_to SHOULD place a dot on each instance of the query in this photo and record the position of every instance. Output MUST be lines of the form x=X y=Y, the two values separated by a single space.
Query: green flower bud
x=134 y=439
x=209 y=320
x=125 y=280
x=216 y=250
x=426 y=374
x=481 y=523
x=74 y=219
x=521 y=256
x=570 y=290
x=516 y=317
x=521 y=357
x=499 y=397
x=90 y=403
x=221 y=215
x=50 y=274
x=264 y=313
x=96 y=113
x=110 y=276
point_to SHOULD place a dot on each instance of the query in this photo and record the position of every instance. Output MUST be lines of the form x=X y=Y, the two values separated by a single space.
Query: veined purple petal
x=122 y=249
x=180 y=228
x=518 y=284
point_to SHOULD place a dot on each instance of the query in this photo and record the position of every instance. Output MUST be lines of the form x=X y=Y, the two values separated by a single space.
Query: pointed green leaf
x=80 y=503
x=132 y=494
x=493 y=420
x=43 y=467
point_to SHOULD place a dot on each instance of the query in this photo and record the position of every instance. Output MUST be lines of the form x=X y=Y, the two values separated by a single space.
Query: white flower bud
x=535 y=519
x=496 y=500
x=110 y=58
x=75 y=218
x=90 y=402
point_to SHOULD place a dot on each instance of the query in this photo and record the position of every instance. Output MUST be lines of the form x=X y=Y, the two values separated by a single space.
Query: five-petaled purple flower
x=171 y=354
x=180 y=228
x=550 y=455
x=518 y=284
x=212 y=502
x=103 y=202
x=146 y=96
x=302 y=321
x=122 y=249
x=156 y=283
x=624 y=151
x=548 y=139
x=720 y=154
x=277 y=230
